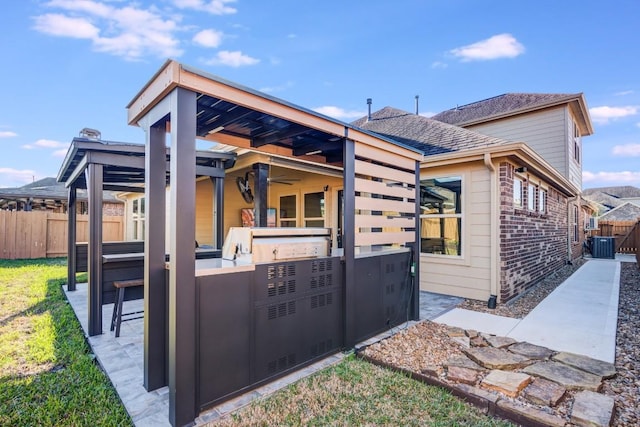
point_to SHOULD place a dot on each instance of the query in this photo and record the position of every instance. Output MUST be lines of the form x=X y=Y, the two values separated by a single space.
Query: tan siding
x=544 y=131
x=468 y=277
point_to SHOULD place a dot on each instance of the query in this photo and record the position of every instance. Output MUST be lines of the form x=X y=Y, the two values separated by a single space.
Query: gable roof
x=511 y=104
x=427 y=135
x=625 y=212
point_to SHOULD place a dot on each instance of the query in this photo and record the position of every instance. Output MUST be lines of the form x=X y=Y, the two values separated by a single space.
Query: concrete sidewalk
x=580 y=316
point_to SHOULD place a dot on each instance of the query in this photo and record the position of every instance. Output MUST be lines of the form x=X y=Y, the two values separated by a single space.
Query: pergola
x=380 y=181
x=98 y=166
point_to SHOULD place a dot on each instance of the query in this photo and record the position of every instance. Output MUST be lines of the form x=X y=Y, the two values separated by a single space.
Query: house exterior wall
x=532 y=243
x=545 y=131
x=468 y=275
x=113 y=209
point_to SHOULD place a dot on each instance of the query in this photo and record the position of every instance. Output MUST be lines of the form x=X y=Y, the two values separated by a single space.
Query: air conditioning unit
x=593 y=223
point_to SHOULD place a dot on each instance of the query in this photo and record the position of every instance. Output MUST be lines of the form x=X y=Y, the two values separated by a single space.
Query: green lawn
x=48 y=376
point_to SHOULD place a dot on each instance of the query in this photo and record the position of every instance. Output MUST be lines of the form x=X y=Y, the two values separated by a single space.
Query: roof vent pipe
x=369 y=106
x=417 y=97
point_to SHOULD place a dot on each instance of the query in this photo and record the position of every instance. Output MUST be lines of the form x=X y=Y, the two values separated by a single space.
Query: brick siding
x=532 y=244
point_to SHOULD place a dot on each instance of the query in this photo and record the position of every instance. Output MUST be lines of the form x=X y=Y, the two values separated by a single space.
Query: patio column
x=182 y=289
x=260 y=187
x=155 y=304
x=71 y=238
x=218 y=208
x=94 y=177
x=415 y=306
x=348 y=243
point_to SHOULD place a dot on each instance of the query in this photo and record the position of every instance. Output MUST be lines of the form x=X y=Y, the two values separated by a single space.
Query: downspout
x=493 y=240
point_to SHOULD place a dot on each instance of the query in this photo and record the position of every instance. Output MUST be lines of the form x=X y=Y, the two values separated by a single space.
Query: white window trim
x=465 y=248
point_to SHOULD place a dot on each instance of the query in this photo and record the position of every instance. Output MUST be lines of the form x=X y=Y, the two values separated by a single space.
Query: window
x=314 y=209
x=576 y=230
x=288 y=211
x=542 y=201
x=517 y=192
x=576 y=142
x=441 y=216
x=531 y=197
x=137 y=219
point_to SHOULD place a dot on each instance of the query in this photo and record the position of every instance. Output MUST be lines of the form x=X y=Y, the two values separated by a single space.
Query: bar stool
x=116 y=317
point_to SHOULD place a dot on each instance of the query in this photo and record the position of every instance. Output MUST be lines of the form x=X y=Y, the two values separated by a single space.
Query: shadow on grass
x=67 y=388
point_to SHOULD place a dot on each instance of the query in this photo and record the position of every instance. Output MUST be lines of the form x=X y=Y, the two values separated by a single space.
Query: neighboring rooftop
x=506 y=105
x=625 y=212
x=45 y=190
x=620 y=192
x=430 y=136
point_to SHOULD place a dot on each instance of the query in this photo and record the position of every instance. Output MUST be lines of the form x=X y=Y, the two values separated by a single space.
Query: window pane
x=441 y=195
x=135 y=206
x=440 y=236
x=287 y=223
x=531 y=197
x=142 y=206
x=542 y=201
x=517 y=192
x=314 y=205
x=288 y=207
x=314 y=223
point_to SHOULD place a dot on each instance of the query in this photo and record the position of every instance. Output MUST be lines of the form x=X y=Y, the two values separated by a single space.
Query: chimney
x=417 y=97
x=369 y=104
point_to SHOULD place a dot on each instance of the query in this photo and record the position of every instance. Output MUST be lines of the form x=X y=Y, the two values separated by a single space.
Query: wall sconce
x=521 y=169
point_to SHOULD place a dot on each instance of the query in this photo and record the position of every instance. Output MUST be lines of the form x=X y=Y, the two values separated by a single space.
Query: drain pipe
x=493 y=249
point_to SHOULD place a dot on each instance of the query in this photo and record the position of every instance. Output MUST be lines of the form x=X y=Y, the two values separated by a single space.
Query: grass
x=48 y=376
x=355 y=392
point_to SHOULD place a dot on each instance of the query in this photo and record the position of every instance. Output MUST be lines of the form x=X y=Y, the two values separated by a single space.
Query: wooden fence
x=626 y=234
x=36 y=234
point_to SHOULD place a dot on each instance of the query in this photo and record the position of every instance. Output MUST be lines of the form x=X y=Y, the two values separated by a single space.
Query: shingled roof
x=620 y=192
x=502 y=105
x=430 y=136
x=47 y=189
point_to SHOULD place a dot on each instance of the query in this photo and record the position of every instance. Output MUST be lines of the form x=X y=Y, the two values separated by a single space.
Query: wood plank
x=367 y=239
x=384 y=156
x=371 y=221
x=376 y=187
x=38 y=246
x=3 y=233
x=371 y=204
x=11 y=232
x=384 y=172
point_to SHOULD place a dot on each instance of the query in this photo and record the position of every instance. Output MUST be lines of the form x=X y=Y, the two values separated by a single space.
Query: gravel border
x=419 y=355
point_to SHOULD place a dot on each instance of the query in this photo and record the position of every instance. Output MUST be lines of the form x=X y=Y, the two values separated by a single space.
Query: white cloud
x=605 y=113
x=439 y=65
x=271 y=89
x=60 y=153
x=208 y=38
x=64 y=26
x=339 y=113
x=215 y=7
x=623 y=177
x=627 y=150
x=495 y=47
x=7 y=134
x=46 y=143
x=624 y=93
x=21 y=177
x=232 y=59
x=128 y=31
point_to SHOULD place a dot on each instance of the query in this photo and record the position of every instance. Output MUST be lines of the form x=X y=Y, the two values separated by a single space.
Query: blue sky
x=70 y=64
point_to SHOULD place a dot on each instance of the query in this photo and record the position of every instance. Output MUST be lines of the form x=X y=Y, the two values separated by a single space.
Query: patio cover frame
x=192 y=104
x=97 y=165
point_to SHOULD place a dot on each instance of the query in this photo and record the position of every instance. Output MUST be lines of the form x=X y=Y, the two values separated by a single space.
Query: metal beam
x=213 y=172
x=348 y=242
x=415 y=306
x=182 y=298
x=78 y=171
x=155 y=304
x=123 y=188
x=218 y=209
x=94 y=174
x=71 y=238
x=120 y=160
